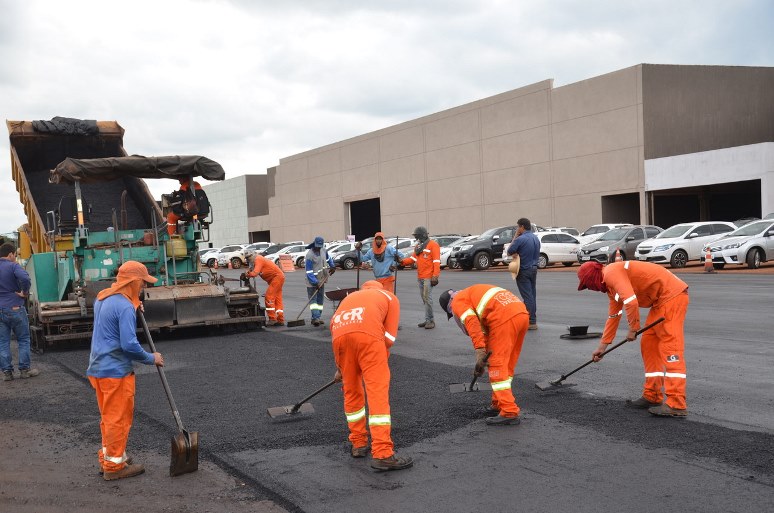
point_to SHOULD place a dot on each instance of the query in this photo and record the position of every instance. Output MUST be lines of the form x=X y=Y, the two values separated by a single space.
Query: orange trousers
x=115 y=398
x=172 y=220
x=663 y=348
x=505 y=342
x=362 y=359
x=388 y=283
x=274 y=307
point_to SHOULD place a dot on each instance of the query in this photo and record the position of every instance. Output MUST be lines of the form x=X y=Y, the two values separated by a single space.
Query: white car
x=297 y=254
x=258 y=246
x=447 y=251
x=209 y=256
x=752 y=243
x=233 y=254
x=681 y=243
x=555 y=247
x=596 y=231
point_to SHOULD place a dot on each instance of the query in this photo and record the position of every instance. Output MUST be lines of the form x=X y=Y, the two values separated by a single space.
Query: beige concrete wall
x=539 y=152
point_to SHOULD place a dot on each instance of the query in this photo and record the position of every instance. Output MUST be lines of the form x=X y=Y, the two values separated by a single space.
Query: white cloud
x=249 y=82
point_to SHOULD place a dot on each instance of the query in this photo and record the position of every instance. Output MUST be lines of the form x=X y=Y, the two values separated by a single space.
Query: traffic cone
x=618 y=255
x=215 y=265
x=708 y=267
x=229 y=264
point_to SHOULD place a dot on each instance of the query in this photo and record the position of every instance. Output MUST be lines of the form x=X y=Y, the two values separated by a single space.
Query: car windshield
x=750 y=229
x=675 y=231
x=595 y=230
x=614 y=234
x=490 y=232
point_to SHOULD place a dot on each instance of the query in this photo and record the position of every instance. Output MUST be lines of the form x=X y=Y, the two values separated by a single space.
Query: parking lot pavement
x=577 y=449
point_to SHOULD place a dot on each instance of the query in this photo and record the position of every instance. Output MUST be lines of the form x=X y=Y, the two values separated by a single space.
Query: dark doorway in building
x=262 y=236
x=718 y=202
x=365 y=218
x=621 y=208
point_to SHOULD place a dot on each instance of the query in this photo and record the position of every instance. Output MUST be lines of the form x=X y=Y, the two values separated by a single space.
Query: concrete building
x=239 y=210
x=654 y=144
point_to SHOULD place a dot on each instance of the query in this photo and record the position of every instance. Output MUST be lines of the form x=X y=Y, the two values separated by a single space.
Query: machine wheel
x=482 y=261
x=754 y=258
x=300 y=262
x=236 y=263
x=211 y=262
x=567 y=264
x=542 y=261
x=348 y=263
x=679 y=259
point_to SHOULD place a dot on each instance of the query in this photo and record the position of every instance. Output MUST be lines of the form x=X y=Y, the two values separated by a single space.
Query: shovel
x=546 y=385
x=185 y=445
x=456 y=388
x=299 y=321
x=301 y=407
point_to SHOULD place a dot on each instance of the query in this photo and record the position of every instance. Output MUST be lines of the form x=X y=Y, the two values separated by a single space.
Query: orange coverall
x=632 y=285
x=173 y=218
x=496 y=320
x=274 y=276
x=428 y=262
x=364 y=327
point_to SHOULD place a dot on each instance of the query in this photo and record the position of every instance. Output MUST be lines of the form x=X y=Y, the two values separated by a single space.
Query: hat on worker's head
x=444 y=300
x=420 y=233
x=590 y=276
x=318 y=242
x=131 y=270
x=372 y=284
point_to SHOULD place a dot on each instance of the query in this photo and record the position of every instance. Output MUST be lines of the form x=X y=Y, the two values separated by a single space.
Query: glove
x=337 y=377
x=434 y=281
x=243 y=277
x=392 y=268
x=481 y=364
x=331 y=271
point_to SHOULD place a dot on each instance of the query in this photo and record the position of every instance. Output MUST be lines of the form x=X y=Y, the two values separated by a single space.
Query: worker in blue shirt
x=527 y=246
x=14 y=288
x=114 y=349
x=383 y=260
x=319 y=266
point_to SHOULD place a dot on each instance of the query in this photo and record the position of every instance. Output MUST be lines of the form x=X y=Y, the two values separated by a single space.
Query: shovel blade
x=296 y=323
x=282 y=411
x=185 y=453
x=457 y=388
x=553 y=385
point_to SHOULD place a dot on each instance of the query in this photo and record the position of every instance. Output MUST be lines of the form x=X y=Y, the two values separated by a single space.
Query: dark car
x=273 y=249
x=348 y=259
x=624 y=239
x=484 y=251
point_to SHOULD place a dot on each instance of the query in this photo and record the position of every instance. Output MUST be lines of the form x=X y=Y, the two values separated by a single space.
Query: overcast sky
x=247 y=83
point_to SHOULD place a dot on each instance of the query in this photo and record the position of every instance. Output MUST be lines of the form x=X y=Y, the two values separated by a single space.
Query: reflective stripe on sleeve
x=379 y=420
x=654 y=374
x=412 y=257
x=355 y=415
x=389 y=337
x=386 y=294
x=437 y=261
x=619 y=314
x=467 y=313
x=626 y=265
x=630 y=299
x=501 y=385
x=616 y=297
x=674 y=375
x=489 y=294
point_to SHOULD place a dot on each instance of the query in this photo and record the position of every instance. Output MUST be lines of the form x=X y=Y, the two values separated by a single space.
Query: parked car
x=745 y=220
x=446 y=249
x=259 y=246
x=752 y=244
x=769 y=216
x=624 y=239
x=297 y=254
x=208 y=256
x=594 y=232
x=572 y=231
x=233 y=254
x=555 y=247
x=348 y=259
x=681 y=243
x=485 y=250
x=273 y=249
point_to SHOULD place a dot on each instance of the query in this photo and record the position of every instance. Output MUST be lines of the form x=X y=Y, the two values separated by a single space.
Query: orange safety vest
x=482 y=307
x=428 y=262
x=264 y=267
x=372 y=310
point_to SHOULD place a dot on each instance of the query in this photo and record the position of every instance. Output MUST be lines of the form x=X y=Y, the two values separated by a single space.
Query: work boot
x=7 y=375
x=359 y=452
x=429 y=325
x=320 y=322
x=532 y=326
x=394 y=462
x=129 y=461
x=664 y=410
x=28 y=373
x=640 y=404
x=127 y=471
x=503 y=421
x=315 y=322
x=422 y=324
x=490 y=411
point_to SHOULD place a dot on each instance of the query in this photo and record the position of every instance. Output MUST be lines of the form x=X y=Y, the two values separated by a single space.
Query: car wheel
x=300 y=262
x=542 y=261
x=348 y=263
x=454 y=264
x=211 y=262
x=679 y=259
x=567 y=264
x=236 y=263
x=754 y=258
x=482 y=261
x=719 y=266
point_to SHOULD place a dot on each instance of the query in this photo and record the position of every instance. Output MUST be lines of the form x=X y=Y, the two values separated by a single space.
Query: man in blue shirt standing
x=114 y=348
x=14 y=288
x=319 y=266
x=527 y=246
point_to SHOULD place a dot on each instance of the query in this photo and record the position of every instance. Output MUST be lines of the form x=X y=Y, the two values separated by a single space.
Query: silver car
x=752 y=244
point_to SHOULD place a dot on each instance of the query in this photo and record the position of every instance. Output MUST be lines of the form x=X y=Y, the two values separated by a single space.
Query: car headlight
x=663 y=248
x=603 y=248
x=732 y=246
x=466 y=247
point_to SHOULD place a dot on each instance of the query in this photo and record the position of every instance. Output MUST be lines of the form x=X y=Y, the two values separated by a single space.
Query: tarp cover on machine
x=113 y=168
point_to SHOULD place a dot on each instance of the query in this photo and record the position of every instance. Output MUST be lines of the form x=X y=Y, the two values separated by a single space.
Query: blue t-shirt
x=13 y=279
x=114 y=344
x=527 y=245
x=382 y=269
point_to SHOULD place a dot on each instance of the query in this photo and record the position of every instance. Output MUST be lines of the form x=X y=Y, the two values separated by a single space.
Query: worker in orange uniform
x=364 y=328
x=273 y=275
x=496 y=321
x=631 y=285
x=427 y=256
x=173 y=217
x=114 y=348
